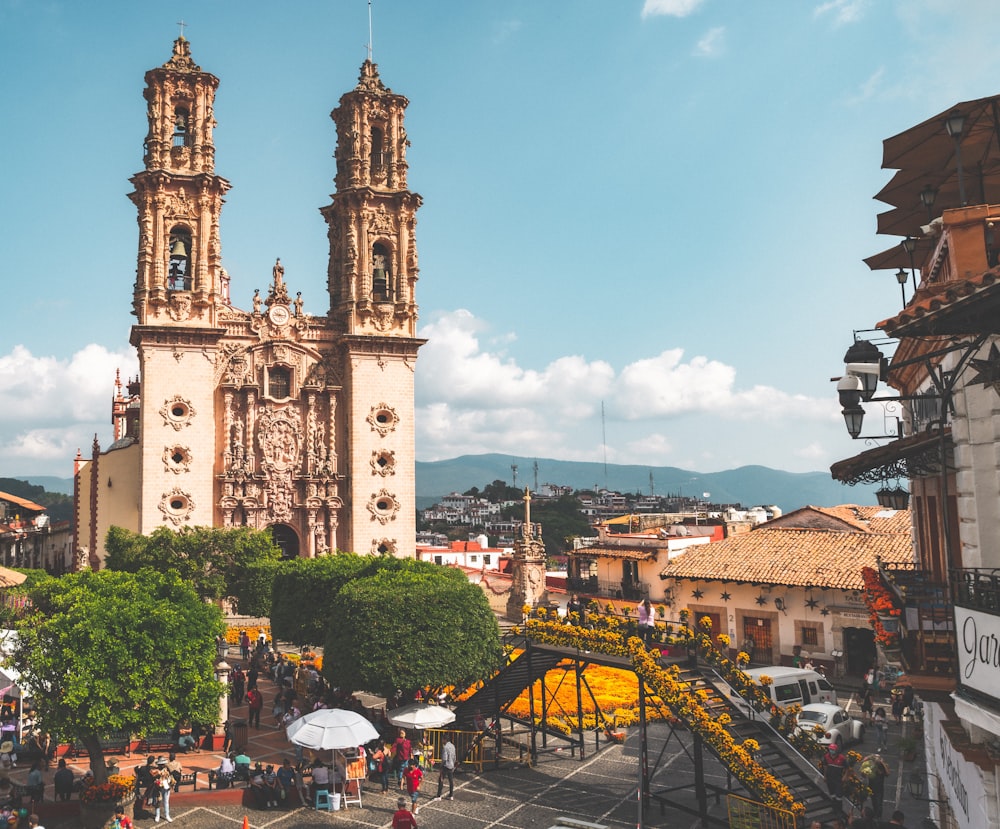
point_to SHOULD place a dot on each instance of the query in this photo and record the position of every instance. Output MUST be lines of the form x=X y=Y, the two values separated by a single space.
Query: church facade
x=267 y=417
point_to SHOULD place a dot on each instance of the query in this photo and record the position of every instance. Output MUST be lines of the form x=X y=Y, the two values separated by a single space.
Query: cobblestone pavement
x=600 y=788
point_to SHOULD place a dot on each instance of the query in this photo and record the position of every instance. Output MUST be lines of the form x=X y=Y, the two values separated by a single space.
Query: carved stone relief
x=384 y=463
x=383 y=419
x=383 y=506
x=177 y=412
x=384 y=546
x=176 y=506
x=177 y=459
x=279 y=436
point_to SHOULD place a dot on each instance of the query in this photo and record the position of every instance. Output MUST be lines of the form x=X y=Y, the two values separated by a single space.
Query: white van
x=794 y=686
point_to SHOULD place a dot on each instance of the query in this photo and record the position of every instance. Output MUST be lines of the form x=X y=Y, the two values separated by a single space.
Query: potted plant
x=907 y=747
x=98 y=803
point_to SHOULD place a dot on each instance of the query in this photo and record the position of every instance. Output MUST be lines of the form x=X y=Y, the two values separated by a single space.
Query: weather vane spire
x=369 y=30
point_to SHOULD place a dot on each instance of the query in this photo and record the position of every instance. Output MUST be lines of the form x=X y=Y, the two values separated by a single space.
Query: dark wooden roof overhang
x=916 y=456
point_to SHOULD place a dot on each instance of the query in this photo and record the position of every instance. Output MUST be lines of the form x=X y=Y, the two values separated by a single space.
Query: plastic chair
x=323 y=800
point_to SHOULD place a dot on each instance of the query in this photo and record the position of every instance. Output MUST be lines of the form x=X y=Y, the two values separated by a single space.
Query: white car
x=829 y=723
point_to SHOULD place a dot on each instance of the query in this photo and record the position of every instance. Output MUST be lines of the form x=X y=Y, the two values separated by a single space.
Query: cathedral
x=268 y=418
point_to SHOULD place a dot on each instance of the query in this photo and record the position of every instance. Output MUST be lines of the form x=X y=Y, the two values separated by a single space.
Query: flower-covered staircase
x=751 y=748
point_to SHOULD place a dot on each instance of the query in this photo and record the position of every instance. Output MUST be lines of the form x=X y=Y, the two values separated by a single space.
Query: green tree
x=107 y=651
x=408 y=625
x=500 y=491
x=212 y=559
x=302 y=591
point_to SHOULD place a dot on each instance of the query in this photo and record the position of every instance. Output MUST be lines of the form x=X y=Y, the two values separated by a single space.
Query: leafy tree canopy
x=302 y=591
x=112 y=651
x=406 y=625
x=212 y=559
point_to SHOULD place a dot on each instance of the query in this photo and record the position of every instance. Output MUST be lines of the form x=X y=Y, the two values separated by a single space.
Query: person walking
x=646 y=622
x=403 y=819
x=449 y=759
x=881 y=728
x=165 y=785
x=876 y=770
x=834 y=765
x=867 y=705
x=413 y=776
x=255 y=702
x=402 y=749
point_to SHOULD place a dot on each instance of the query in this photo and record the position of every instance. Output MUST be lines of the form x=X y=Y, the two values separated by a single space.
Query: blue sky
x=660 y=205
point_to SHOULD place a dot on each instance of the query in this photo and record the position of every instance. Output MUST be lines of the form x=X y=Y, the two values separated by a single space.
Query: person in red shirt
x=413 y=776
x=402 y=750
x=402 y=819
x=254 y=704
x=123 y=821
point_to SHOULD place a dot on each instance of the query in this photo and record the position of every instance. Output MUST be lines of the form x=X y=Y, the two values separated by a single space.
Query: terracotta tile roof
x=944 y=307
x=872 y=519
x=794 y=557
x=24 y=503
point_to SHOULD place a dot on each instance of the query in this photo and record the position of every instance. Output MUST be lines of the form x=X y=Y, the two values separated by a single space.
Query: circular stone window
x=177 y=459
x=384 y=463
x=177 y=412
x=383 y=506
x=383 y=418
x=176 y=506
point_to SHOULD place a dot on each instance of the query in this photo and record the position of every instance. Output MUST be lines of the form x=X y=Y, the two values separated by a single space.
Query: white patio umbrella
x=421 y=715
x=331 y=728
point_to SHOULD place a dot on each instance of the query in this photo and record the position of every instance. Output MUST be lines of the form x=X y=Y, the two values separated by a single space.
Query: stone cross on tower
x=528 y=567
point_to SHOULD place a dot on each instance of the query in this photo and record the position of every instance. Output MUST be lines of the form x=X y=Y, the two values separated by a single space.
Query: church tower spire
x=372 y=273
x=179 y=277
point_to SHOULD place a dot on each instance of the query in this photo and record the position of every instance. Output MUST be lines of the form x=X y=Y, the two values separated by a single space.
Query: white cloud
x=471 y=400
x=712 y=43
x=843 y=12
x=49 y=408
x=670 y=8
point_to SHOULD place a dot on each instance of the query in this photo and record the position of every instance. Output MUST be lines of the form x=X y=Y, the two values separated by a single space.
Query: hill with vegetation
x=747 y=485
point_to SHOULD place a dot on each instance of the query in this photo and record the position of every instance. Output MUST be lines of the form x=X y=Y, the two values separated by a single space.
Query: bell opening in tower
x=179 y=266
x=381 y=274
x=182 y=135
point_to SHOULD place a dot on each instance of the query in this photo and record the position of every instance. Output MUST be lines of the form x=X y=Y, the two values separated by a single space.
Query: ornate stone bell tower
x=372 y=281
x=180 y=288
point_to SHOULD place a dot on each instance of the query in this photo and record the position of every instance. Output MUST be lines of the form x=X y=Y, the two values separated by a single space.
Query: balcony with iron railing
x=632 y=591
x=977 y=588
x=927 y=622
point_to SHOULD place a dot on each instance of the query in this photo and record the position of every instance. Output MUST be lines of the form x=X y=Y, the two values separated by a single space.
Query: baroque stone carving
x=384 y=546
x=383 y=506
x=177 y=459
x=177 y=412
x=279 y=435
x=179 y=307
x=176 y=506
x=384 y=463
x=383 y=419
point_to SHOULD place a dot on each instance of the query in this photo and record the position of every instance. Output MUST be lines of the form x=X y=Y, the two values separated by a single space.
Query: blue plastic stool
x=323 y=800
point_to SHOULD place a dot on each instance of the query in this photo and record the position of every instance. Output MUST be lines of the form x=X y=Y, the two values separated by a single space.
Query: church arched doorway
x=287 y=540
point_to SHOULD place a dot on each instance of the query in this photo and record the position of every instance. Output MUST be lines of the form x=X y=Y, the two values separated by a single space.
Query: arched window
x=182 y=132
x=377 y=152
x=179 y=264
x=279 y=382
x=381 y=274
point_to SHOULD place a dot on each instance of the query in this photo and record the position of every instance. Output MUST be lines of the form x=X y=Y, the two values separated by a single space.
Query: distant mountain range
x=748 y=485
